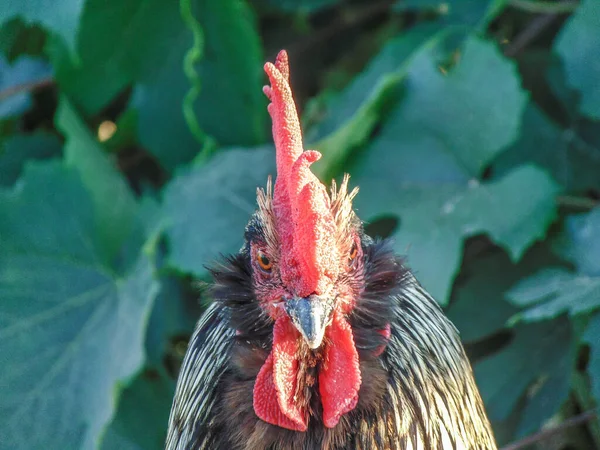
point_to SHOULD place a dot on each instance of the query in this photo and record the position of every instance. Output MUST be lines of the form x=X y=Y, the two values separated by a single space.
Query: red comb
x=302 y=208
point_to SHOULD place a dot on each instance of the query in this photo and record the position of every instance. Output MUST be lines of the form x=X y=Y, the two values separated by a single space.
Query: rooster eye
x=353 y=253
x=263 y=261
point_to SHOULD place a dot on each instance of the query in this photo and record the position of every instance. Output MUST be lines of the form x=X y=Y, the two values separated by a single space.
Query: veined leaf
x=424 y=166
x=578 y=44
x=207 y=207
x=115 y=206
x=554 y=291
x=72 y=329
x=536 y=366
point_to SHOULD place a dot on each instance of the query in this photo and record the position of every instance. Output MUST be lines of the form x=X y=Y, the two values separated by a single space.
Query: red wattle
x=276 y=382
x=386 y=333
x=339 y=378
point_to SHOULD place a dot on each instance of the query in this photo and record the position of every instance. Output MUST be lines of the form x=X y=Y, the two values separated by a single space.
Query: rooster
x=319 y=337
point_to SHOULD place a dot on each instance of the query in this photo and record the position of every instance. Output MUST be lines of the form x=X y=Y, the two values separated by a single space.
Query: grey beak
x=310 y=315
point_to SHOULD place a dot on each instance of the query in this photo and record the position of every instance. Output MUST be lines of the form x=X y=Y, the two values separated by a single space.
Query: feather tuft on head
x=302 y=207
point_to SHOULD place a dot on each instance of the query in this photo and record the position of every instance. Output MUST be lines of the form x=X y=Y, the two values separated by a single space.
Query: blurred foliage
x=133 y=135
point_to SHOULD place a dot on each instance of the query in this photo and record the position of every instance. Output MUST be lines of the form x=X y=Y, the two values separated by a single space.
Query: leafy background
x=134 y=133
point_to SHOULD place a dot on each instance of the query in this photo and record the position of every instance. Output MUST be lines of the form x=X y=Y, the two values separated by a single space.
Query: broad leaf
x=141 y=421
x=572 y=161
x=207 y=207
x=19 y=148
x=72 y=329
x=59 y=16
x=347 y=119
x=230 y=105
x=22 y=71
x=176 y=310
x=118 y=43
x=581 y=242
x=114 y=203
x=536 y=366
x=554 y=291
x=578 y=44
x=423 y=166
x=479 y=307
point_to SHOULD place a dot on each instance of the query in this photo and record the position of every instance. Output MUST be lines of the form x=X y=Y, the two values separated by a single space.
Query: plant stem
x=26 y=87
x=545 y=7
x=544 y=434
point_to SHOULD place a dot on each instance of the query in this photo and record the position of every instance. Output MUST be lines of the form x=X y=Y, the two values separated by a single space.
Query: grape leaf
x=118 y=43
x=554 y=291
x=479 y=307
x=59 y=16
x=580 y=242
x=22 y=71
x=114 y=203
x=19 y=148
x=423 y=166
x=230 y=105
x=536 y=365
x=175 y=313
x=72 y=328
x=206 y=208
x=144 y=43
x=347 y=119
x=572 y=161
x=141 y=420
x=578 y=44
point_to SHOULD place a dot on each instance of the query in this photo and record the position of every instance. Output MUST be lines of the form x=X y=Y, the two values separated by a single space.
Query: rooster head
x=307 y=272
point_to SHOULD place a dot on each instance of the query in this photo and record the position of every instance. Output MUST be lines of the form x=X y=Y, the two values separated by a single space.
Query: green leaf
x=175 y=313
x=554 y=291
x=16 y=39
x=22 y=71
x=422 y=166
x=119 y=43
x=578 y=44
x=141 y=420
x=536 y=366
x=61 y=17
x=207 y=207
x=114 y=203
x=72 y=329
x=592 y=337
x=479 y=307
x=581 y=242
x=349 y=117
x=571 y=161
x=20 y=148
x=230 y=106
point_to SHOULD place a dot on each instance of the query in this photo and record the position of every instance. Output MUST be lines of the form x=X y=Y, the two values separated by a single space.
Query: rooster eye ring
x=263 y=261
x=353 y=252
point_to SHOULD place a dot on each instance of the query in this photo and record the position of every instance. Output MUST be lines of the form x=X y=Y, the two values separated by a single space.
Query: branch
x=545 y=7
x=26 y=87
x=576 y=202
x=550 y=12
x=544 y=434
x=525 y=37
